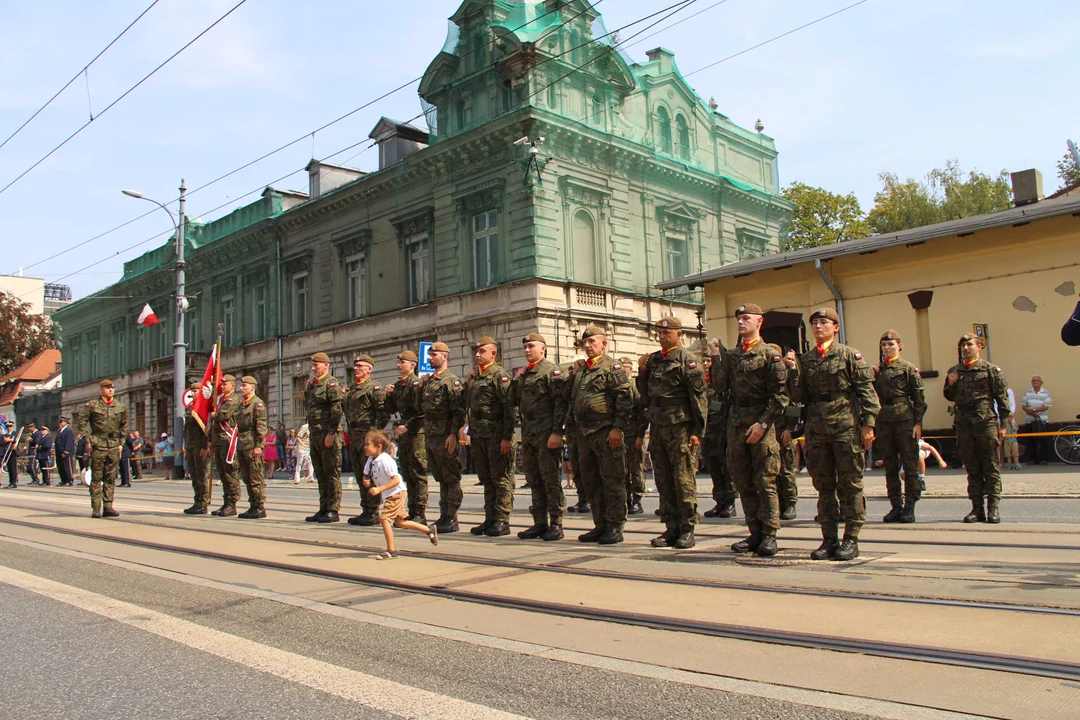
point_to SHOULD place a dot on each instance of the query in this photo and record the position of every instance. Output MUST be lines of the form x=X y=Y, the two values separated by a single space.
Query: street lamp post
x=179 y=346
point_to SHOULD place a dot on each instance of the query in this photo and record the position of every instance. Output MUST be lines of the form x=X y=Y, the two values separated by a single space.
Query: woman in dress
x=270 y=454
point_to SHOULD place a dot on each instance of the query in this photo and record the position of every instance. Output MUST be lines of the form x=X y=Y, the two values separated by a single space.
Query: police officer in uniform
x=197 y=450
x=635 y=447
x=322 y=405
x=601 y=402
x=403 y=399
x=491 y=436
x=104 y=423
x=32 y=438
x=788 y=428
x=224 y=423
x=715 y=447
x=836 y=386
x=899 y=426
x=754 y=375
x=539 y=396
x=363 y=409
x=443 y=408
x=251 y=424
x=980 y=392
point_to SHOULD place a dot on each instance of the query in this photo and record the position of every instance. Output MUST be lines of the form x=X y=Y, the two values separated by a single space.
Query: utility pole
x=179 y=346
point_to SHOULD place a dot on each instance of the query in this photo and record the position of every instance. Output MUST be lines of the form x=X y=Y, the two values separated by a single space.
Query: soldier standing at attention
x=224 y=421
x=104 y=424
x=754 y=375
x=322 y=404
x=403 y=398
x=787 y=430
x=441 y=405
x=538 y=394
x=977 y=387
x=899 y=426
x=571 y=435
x=837 y=387
x=491 y=436
x=635 y=447
x=363 y=407
x=197 y=449
x=672 y=387
x=251 y=424
x=601 y=402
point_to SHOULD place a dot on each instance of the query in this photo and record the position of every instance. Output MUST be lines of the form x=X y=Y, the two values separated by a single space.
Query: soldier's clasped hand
x=714 y=346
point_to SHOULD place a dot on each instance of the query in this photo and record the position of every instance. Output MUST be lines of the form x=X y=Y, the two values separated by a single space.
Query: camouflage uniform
x=491 y=421
x=903 y=404
x=196 y=443
x=977 y=391
x=412 y=449
x=225 y=415
x=672 y=388
x=636 y=429
x=441 y=405
x=571 y=435
x=538 y=394
x=363 y=407
x=787 y=487
x=715 y=449
x=251 y=424
x=106 y=425
x=322 y=403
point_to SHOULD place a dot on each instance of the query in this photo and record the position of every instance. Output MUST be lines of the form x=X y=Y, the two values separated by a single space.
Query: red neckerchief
x=592 y=361
x=483 y=368
x=747 y=344
x=890 y=361
x=108 y=401
x=532 y=365
x=664 y=353
x=969 y=364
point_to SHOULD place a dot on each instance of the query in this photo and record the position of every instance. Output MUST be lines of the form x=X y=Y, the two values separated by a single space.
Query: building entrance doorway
x=786 y=330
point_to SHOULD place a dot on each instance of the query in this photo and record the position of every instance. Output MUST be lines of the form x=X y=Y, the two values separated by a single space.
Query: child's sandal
x=433 y=534
x=388 y=555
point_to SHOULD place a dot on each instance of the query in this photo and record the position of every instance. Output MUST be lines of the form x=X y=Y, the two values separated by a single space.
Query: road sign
x=982 y=331
x=189 y=398
x=423 y=367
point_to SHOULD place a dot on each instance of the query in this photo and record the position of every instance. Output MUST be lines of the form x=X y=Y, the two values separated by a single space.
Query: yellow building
x=1016 y=272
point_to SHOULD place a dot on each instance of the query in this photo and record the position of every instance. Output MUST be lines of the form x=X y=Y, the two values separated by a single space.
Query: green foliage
x=1068 y=171
x=22 y=333
x=822 y=218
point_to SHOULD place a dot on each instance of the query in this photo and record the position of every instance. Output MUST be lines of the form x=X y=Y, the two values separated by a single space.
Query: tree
x=901 y=205
x=22 y=333
x=822 y=217
x=1068 y=171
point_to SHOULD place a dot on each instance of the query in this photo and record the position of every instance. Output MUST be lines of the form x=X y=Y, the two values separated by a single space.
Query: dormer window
x=664 y=121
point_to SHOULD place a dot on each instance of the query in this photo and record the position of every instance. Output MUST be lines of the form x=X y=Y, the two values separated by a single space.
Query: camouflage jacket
x=487 y=401
x=322 y=404
x=792 y=418
x=672 y=388
x=638 y=424
x=977 y=390
x=716 y=420
x=900 y=391
x=251 y=423
x=227 y=410
x=539 y=394
x=364 y=407
x=569 y=424
x=601 y=397
x=404 y=401
x=105 y=424
x=441 y=404
x=837 y=390
x=194 y=436
x=755 y=381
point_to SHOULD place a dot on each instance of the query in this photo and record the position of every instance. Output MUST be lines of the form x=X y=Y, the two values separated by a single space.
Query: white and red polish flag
x=147 y=316
x=208 y=389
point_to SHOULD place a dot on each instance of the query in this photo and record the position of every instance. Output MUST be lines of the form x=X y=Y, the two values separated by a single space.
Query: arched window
x=684 y=137
x=584 y=249
x=665 y=129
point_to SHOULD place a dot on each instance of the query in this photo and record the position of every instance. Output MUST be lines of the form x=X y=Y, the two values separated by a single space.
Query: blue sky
x=898 y=85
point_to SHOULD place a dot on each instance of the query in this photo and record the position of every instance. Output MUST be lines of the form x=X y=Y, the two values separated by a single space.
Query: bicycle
x=1067 y=447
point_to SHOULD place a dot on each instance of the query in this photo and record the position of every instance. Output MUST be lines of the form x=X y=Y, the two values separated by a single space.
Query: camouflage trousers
x=635 y=468
x=199 y=468
x=326 y=464
x=103 y=466
x=715 y=449
x=542 y=471
x=495 y=471
x=230 y=474
x=603 y=473
x=368 y=503
x=253 y=472
x=836 y=465
x=754 y=469
x=897 y=446
x=575 y=466
x=978 y=445
x=413 y=465
x=675 y=469
x=446 y=469
x=787 y=489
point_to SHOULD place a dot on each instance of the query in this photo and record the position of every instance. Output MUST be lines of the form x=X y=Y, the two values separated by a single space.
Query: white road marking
x=368 y=690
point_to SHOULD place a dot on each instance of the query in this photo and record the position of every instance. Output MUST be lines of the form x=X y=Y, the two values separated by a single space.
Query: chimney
x=1027 y=187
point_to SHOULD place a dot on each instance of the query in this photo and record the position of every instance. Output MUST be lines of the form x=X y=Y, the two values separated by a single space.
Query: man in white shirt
x=1036 y=405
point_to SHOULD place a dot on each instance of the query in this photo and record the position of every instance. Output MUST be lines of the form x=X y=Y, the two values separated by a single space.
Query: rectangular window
x=258 y=313
x=355 y=277
x=677 y=260
x=486 y=248
x=163 y=337
x=419 y=269
x=118 y=351
x=298 y=399
x=300 y=301
x=193 y=339
x=77 y=364
x=144 y=347
x=94 y=366
x=228 y=318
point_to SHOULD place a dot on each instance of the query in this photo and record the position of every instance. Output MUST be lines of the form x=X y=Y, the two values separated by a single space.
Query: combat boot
x=554 y=532
x=95 y=513
x=591 y=536
x=253 y=513
x=848 y=550
x=727 y=511
x=537 y=530
x=685 y=540
x=789 y=513
x=108 y=511
x=364 y=519
x=829 y=543
x=993 y=516
x=897 y=510
x=447 y=525
x=977 y=514
x=419 y=518
x=634 y=506
x=611 y=536
x=330 y=516
x=312 y=518
x=583 y=508
x=767 y=548
x=226 y=510
x=750 y=544
x=908 y=514
x=712 y=513
x=195 y=509
x=498 y=529
x=667 y=538
x=482 y=527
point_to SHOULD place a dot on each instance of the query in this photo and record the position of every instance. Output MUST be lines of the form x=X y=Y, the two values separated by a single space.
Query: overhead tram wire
x=127 y=92
x=76 y=76
x=674 y=24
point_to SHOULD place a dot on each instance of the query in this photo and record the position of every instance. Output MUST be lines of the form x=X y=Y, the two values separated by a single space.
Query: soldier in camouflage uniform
x=837 y=388
x=322 y=404
x=539 y=396
x=363 y=407
x=570 y=433
x=899 y=426
x=103 y=422
x=443 y=410
x=223 y=421
x=635 y=448
x=251 y=426
x=601 y=402
x=491 y=436
x=788 y=429
x=197 y=451
x=753 y=374
x=402 y=399
x=715 y=446
x=672 y=387
x=980 y=392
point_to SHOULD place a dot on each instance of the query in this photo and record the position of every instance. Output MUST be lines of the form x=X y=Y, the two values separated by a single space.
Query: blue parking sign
x=423 y=367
